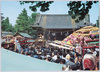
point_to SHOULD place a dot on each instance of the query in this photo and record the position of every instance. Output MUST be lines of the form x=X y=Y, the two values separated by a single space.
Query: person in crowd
x=26 y=50
x=22 y=49
x=42 y=48
x=97 y=61
x=32 y=51
x=72 y=56
x=58 y=59
x=94 y=51
x=70 y=61
x=18 y=46
x=64 y=57
x=43 y=56
x=64 y=68
x=63 y=61
x=54 y=57
x=35 y=56
x=49 y=59
x=7 y=47
x=11 y=48
x=77 y=64
x=86 y=69
x=55 y=51
x=80 y=62
x=76 y=57
x=73 y=68
x=39 y=53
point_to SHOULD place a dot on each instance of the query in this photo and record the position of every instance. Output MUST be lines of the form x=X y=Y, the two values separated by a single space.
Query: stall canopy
x=62 y=46
x=3 y=40
x=11 y=61
x=86 y=30
x=83 y=32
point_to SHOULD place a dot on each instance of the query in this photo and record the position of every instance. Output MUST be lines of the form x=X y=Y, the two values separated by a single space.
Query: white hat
x=68 y=56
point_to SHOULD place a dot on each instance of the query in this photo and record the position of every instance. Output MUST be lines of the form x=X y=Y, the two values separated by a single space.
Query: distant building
x=25 y=35
x=5 y=33
x=57 y=26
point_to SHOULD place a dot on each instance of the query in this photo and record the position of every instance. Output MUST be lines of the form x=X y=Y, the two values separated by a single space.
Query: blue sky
x=12 y=9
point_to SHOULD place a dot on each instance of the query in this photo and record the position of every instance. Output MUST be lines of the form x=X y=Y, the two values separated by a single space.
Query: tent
x=11 y=61
x=62 y=46
x=86 y=30
x=3 y=40
x=83 y=32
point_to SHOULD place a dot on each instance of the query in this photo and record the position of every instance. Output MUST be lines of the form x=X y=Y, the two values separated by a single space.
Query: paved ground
x=11 y=61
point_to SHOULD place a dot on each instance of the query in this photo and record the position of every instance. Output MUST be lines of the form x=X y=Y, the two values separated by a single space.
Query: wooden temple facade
x=57 y=26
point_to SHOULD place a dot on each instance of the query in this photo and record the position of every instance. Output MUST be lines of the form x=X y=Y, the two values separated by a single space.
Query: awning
x=60 y=46
x=3 y=40
x=93 y=42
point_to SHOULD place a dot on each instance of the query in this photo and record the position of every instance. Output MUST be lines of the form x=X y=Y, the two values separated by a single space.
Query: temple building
x=57 y=26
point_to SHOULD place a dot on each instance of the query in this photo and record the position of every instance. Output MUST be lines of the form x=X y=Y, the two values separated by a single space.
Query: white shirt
x=94 y=52
x=55 y=57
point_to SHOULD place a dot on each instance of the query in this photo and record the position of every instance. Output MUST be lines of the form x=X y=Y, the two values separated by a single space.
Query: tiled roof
x=4 y=33
x=56 y=21
x=24 y=35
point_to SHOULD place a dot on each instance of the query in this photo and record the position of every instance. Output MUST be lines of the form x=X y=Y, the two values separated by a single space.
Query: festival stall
x=40 y=40
x=60 y=46
x=6 y=41
x=7 y=38
x=83 y=37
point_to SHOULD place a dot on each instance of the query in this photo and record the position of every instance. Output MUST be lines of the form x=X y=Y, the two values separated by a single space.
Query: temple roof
x=23 y=34
x=57 y=21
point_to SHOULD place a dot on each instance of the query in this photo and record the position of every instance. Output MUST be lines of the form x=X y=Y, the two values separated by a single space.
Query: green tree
x=2 y=17
x=31 y=21
x=6 y=26
x=97 y=25
x=77 y=9
x=22 y=22
x=43 y=5
x=32 y=18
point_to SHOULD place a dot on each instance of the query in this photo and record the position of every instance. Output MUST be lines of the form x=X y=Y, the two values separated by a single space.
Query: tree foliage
x=97 y=24
x=43 y=5
x=2 y=17
x=6 y=26
x=32 y=18
x=78 y=9
x=24 y=21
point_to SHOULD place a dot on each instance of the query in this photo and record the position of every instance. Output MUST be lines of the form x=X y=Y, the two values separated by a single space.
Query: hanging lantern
x=70 y=36
x=53 y=34
x=85 y=44
x=79 y=35
x=49 y=32
x=66 y=34
x=71 y=48
x=90 y=33
x=93 y=35
x=75 y=39
x=61 y=33
x=82 y=32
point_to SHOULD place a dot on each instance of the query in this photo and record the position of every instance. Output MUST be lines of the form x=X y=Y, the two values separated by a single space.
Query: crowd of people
x=69 y=58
